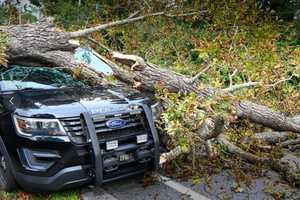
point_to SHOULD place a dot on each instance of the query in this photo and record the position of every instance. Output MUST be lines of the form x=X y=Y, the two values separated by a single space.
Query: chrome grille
x=72 y=126
x=135 y=124
x=131 y=121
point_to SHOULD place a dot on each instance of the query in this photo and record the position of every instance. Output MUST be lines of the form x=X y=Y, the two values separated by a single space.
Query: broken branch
x=269 y=137
x=87 y=31
x=233 y=88
x=231 y=148
x=240 y=86
x=197 y=76
x=130 y=19
x=231 y=77
x=265 y=116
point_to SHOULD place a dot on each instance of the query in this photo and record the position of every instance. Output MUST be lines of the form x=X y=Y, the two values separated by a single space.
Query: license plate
x=125 y=157
x=141 y=138
x=112 y=145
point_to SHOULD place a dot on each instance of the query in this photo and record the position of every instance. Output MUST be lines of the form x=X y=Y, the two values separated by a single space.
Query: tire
x=7 y=180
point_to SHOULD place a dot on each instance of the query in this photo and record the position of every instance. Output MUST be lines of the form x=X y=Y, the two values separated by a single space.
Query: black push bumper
x=96 y=170
x=100 y=162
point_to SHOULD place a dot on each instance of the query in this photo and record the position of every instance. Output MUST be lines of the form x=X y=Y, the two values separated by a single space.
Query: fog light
x=141 y=138
x=112 y=145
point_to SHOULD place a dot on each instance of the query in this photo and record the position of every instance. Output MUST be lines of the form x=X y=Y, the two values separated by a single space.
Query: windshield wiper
x=32 y=88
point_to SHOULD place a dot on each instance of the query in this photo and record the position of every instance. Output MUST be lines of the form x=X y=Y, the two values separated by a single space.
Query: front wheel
x=7 y=180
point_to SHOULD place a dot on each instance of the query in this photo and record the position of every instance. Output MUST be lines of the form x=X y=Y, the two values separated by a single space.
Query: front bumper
x=74 y=165
x=74 y=176
x=64 y=179
x=69 y=177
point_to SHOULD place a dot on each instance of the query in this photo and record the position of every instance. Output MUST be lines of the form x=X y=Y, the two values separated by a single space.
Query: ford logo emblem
x=116 y=123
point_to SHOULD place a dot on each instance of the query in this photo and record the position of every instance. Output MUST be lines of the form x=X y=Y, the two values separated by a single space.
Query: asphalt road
x=133 y=189
x=221 y=186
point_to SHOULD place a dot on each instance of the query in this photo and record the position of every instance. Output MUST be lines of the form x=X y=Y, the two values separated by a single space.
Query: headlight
x=38 y=127
x=156 y=110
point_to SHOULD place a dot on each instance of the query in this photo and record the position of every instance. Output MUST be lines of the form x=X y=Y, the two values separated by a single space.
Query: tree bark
x=231 y=148
x=269 y=137
x=151 y=76
x=265 y=116
x=39 y=43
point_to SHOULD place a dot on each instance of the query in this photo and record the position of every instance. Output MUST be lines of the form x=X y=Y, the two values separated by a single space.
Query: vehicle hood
x=70 y=102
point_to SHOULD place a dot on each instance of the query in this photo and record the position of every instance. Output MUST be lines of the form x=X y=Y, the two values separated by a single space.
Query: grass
x=20 y=195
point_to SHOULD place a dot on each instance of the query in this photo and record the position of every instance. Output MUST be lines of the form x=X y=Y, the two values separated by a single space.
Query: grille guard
x=89 y=128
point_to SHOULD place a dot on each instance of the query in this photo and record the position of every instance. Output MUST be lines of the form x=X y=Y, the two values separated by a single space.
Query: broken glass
x=18 y=77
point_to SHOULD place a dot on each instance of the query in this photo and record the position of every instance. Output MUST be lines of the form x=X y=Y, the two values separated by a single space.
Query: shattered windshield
x=88 y=57
x=22 y=77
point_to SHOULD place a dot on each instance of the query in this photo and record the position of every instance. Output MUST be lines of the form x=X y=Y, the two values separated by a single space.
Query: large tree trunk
x=43 y=43
x=40 y=43
x=150 y=76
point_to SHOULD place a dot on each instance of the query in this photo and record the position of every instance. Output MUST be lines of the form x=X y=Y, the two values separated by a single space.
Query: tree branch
x=197 y=76
x=267 y=117
x=233 y=88
x=171 y=155
x=240 y=152
x=130 y=19
x=290 y=142
x=99 y=44
x=280 y=81
x=134 y=14
x=269 y=137
x=231 y=77
x=240 y=86
x=87 y=31
x=296 y=119
x=187 y=14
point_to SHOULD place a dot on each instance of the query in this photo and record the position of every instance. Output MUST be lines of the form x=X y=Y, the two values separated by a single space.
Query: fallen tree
x=43 y=43
x=151 y=75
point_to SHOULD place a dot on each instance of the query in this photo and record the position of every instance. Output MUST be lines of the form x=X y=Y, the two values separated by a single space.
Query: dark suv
x=58 y=132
